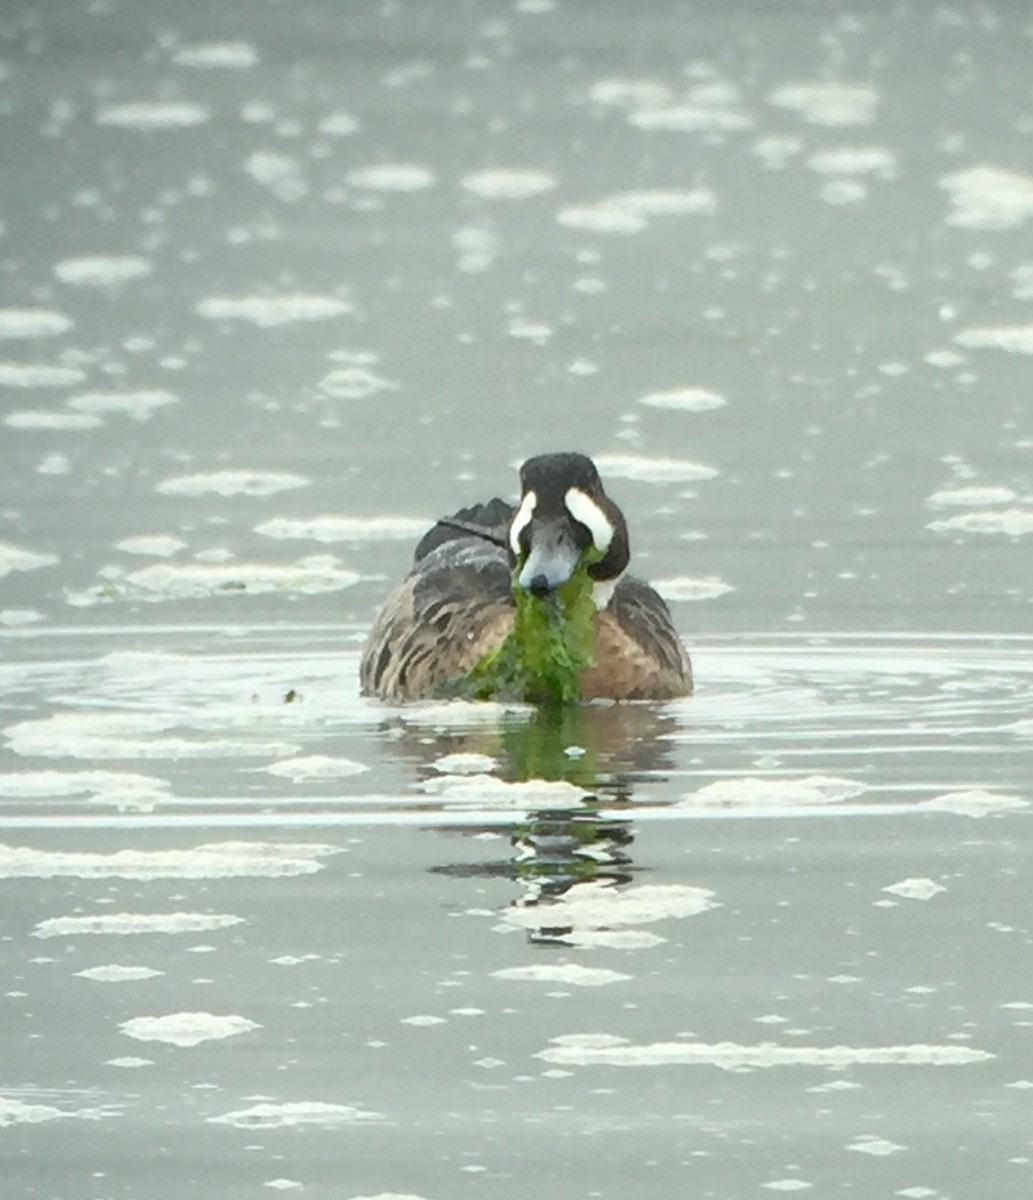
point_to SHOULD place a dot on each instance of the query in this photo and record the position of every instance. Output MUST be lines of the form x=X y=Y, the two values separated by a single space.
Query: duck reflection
x=580 y=765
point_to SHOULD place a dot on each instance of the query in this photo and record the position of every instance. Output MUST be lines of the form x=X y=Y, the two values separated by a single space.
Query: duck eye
x=587 y=512
x=521 y=520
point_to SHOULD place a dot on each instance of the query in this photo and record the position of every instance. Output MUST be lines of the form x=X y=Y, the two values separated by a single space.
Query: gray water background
x=284 y=281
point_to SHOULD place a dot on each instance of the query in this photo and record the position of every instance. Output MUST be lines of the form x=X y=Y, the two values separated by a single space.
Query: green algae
x=551 y=643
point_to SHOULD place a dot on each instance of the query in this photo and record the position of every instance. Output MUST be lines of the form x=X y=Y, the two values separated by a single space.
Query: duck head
x=565 y=518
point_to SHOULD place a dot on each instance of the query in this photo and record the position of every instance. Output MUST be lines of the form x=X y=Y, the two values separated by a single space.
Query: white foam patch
x=833 y=104
x=879 y=1147
x=485 y=791
x=989 y=197
x=153 y=116
x=14 y=558
x=631 y=212
x=687 y=587
x=285 y=1185
x=234 y=56
x=465 y=763
x=915 y=889
x=268 y=312
x=685 y=399
x=129 y=1062
x=328 y=529
x=392 y=177
x=280 y=173
x=115 y=735
x=594 y=906
x=855 y=160
x=565 y=973
x=18 y=323
x=1012 y=522
x=787 y=1185
x=126 y=924
x=140 y=405
x=696 y=116
x=120 y=788
x=102 y=270
x=354 y=383
x=158 y=545
x=970 y=497
x=653 y=470
x=314 y=768
x=465 y=714
x=1023 y=277
x=38 y=375
x=339 y=124
x=298 y=1113
x=12 y=617
x=40 y=419
x=17 y=1112
x=753 y=793
x=843 y=191
x=219 y=860
x=508 y=184
x=1014 y=339
x=162 y=582
x=187 y=1028
x=232 y=483
x=975 y=803
x=116 y=973
x=731 y=1056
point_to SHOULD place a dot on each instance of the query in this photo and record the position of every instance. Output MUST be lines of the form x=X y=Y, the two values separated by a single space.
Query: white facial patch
x=584 y=509
x=520 y=521
x=602 y=592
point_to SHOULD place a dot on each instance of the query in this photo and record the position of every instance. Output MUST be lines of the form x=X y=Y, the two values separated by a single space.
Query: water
x=284 y=282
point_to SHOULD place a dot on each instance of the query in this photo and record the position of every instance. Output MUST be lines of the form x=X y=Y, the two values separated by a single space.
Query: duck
x=473 y=571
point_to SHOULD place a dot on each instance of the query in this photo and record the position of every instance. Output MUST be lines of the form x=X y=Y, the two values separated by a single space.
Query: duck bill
x=553 y=558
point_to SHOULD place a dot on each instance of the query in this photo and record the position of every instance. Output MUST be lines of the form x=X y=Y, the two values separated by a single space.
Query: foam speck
x=14 y=558
x=31 y=323
x=101 y=270
x=151 y=117
x=280 y=173
x=232 y=483
x=392 y=177
x=687 y=587
x=353 y=383
x=692 y=118
x=564 y=973
x=989 y=197
x=124 y=924
x=187 y=1028
x=753 y=793
x=630 y=93
x=267 y=312
x=508 y=184
x=300 y=1112
x=653 y=470
x=464 y=763
x=877 y=1146
x=830 y=103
